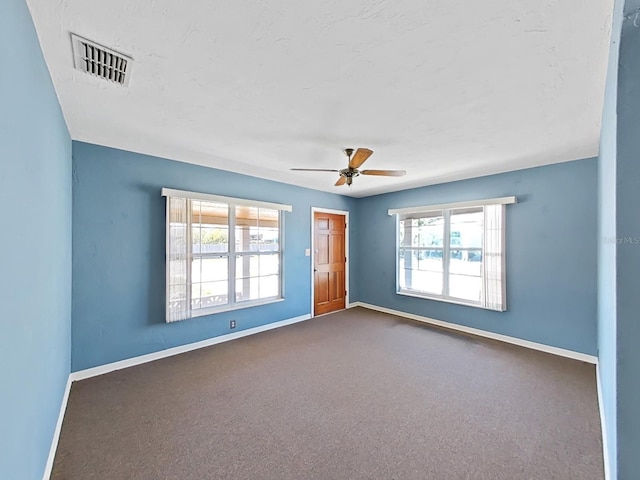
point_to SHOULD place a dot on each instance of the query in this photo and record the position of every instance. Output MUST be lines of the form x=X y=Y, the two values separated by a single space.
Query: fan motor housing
x=349 y=173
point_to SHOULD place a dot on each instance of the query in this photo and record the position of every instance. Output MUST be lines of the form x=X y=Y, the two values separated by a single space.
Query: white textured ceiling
x=445 y=89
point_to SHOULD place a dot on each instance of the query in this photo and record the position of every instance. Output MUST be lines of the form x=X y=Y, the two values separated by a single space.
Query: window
x=454 y=252
x=222 y=253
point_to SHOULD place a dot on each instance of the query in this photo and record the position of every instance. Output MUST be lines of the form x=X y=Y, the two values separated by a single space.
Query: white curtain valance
x=170 y=192
x=447 y=206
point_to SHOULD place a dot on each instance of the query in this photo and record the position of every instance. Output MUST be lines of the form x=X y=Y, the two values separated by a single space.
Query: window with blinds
x=454 y=252
x=222 y=253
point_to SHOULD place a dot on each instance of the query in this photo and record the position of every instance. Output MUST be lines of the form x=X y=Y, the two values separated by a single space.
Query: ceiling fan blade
x=360 y=157
x=384 y=173
x=314 y=170
x=341 y=181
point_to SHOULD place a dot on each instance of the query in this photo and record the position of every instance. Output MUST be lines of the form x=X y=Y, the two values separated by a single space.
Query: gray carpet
x=352 y=395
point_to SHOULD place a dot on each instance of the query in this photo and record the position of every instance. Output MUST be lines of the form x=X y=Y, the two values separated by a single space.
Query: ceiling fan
x=355 y=161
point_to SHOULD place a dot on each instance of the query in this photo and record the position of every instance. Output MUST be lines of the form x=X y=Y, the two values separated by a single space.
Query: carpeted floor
x=352 y=395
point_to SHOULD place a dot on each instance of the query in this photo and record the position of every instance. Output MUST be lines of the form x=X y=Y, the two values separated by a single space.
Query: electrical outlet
x=232 y=324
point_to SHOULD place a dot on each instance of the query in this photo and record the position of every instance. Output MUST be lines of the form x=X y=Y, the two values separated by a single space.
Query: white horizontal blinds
x=494 y=297
x=178 y=306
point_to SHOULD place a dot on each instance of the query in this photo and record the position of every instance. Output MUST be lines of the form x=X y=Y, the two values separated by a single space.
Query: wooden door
x=329 y=262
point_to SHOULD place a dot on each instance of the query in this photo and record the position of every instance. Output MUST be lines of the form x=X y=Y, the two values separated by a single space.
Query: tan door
x=329 y=262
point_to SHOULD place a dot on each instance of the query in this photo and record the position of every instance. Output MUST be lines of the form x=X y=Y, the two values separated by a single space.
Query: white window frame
x=493 y=296
x=186 y=312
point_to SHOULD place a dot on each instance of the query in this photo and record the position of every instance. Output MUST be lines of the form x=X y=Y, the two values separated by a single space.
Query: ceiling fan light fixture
x=355 y=162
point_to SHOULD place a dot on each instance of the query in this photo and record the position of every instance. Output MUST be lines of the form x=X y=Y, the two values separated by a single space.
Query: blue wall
x=551 y=254
x=118 y=234
x=628 y=249
x=619 y=245
x=35 y=249
x=607 y=244
x=119 y=248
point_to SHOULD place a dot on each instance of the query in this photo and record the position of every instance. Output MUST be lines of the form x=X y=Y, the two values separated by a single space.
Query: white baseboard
x=110 y=367
x=583 y=357
x=56 y=433
x=524 y=343
x=169 y=352
x=603 y=424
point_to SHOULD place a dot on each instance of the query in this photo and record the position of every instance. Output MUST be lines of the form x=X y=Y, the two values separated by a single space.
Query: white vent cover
x=101 y=61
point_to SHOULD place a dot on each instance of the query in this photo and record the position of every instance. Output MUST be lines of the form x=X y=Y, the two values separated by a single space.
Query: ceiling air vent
x=101 y=61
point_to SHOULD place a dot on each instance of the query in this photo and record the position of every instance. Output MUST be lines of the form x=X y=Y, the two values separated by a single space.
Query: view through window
x=221 y=255
x=441 y=254
x=454 y=253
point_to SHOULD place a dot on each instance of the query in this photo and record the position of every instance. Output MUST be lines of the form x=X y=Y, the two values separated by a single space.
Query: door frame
x=345 y=214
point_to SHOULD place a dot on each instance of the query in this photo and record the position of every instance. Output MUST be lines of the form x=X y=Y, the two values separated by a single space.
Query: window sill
x=239 y=306
x=455 y=301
